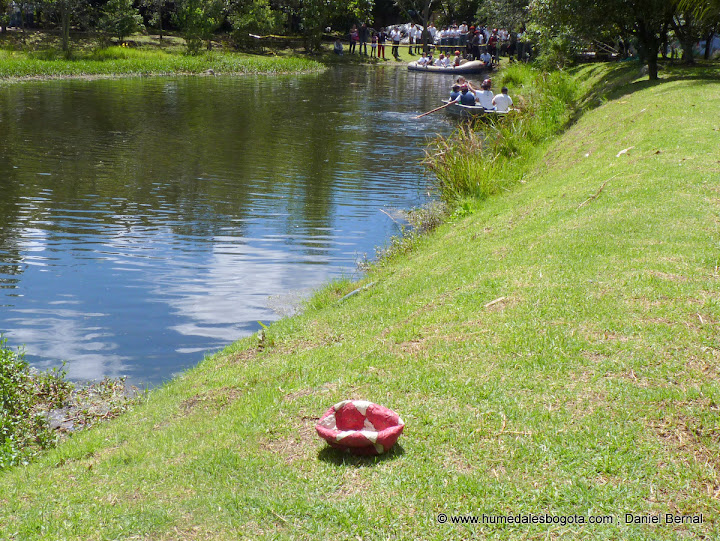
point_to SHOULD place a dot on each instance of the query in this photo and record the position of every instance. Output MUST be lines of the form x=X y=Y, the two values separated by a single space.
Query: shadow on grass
x=624 y=81
x=342 y=458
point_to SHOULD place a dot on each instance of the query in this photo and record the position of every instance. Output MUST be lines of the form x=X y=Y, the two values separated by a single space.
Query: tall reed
x=483 y=158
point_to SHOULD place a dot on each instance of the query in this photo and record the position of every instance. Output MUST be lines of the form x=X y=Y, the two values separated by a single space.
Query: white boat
x=474 y=111
x=474 y=66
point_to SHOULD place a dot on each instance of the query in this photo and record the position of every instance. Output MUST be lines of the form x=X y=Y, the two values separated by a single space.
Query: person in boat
x=502 y=102
x=485 y=95
x=463 y=81
x=486 y=57
x=466 y=96
x=455 y=93
x=457 y=59
x=442 y=61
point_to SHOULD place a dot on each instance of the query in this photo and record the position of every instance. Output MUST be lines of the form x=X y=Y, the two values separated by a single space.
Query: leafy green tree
x=707 y=15
x=120 y=18
x=252 y=17
x=645 y=20
x=198 y=20
x=155 y=10
x=4 y=15
x=66 y=13
x=315 y=15
x=510 y=14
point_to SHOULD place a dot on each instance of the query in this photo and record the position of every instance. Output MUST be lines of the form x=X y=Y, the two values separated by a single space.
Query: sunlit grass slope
x=554 y=353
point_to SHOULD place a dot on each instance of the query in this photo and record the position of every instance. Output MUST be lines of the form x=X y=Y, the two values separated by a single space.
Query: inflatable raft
x=474 y=66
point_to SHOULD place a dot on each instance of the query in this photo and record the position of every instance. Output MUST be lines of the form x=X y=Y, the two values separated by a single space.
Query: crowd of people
x=472 y=42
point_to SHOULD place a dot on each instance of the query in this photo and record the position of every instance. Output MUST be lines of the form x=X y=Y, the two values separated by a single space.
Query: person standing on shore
x=395 y=37
x=363 y=35
x=382 y=37
x=353 y=39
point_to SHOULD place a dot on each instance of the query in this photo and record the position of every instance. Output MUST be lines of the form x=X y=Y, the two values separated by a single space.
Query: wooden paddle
x=436 y=109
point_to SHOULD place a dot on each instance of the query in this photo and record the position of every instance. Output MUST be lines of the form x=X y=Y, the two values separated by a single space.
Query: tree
x=252 y=17
x=198 y=20
x=155 y=10
x=707 y=15
x=510 y=14
x=597 y=19
x=313 y=16
x=120 y=18
x=4 y=15
x=65 y=12
x=421 y=11
x=687 y=32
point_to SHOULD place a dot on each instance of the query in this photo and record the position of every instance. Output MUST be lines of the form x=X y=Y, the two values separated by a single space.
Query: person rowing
x=455 y=94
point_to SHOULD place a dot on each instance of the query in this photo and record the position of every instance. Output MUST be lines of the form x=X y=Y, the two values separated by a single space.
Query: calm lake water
x=146 y=222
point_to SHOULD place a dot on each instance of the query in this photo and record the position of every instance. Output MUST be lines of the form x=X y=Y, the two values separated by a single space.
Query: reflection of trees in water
x=191 y=154
x=10 y=256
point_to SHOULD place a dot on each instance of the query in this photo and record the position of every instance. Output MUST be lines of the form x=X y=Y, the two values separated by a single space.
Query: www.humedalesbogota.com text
x=546 y=518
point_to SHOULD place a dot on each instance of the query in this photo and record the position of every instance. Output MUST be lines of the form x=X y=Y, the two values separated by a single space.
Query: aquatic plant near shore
x=23 y=428
x=38 y=408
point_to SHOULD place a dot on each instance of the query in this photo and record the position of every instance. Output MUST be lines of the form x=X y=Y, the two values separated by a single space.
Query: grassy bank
x=554 y=352
x=121 y=61
x=32 y=55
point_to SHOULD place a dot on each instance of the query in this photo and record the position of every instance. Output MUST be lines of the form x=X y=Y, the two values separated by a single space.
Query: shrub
x=24 y=430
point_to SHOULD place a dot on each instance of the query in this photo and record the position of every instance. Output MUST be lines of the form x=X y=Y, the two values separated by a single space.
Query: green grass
x=124 y=61
x=555 y=351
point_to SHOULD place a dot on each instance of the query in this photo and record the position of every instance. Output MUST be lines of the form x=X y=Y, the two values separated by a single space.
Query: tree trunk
x=425 y=21
x=648 y=43
x=65 y=26
x=652 y=64
x=159 y=12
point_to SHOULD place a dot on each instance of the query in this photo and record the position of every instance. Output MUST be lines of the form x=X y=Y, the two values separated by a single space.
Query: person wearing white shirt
x=502 y=102
x=395 y=36
x=485 y=96
x=485 y=57
x=416 y=36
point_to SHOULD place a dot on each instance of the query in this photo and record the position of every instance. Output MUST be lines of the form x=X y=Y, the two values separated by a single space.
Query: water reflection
x=145 y=221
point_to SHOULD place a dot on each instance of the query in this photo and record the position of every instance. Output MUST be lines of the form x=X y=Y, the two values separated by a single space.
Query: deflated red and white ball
x=360 y=427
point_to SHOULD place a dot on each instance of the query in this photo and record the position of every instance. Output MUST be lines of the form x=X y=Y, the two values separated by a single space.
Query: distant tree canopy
x=648 y=24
